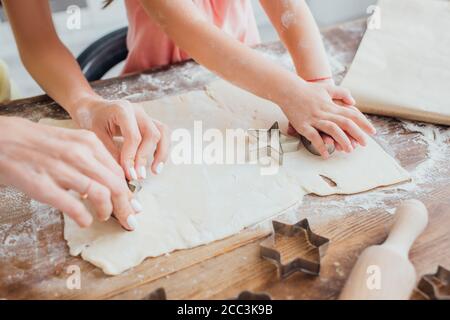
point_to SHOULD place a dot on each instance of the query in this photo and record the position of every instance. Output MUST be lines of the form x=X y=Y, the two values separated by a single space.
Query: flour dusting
x=287 y=19
x=437 y=140
x=24 y=224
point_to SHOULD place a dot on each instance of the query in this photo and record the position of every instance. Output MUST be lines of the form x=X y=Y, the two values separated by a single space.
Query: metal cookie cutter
x=249 y=295
x=279 y=250
x=158 y=294
x=267 y=142
x=436 y=286
x=135 y=186
x=309 y=146
x=271 y=142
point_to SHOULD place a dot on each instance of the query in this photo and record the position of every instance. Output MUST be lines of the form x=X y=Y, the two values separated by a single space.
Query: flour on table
x=191 y=205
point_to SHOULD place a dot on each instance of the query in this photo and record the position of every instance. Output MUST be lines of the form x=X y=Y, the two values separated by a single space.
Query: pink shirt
x=149 y=46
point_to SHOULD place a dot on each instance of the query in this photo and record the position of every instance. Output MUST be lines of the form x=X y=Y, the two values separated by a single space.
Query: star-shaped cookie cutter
x=301 y=231
x=135 y=186
x=436 y=286
x=271 y=142
x=249 y=295
x=158 y=294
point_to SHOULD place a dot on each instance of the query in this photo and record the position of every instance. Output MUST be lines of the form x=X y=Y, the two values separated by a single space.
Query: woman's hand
x=327 y=109
x=146 y=141
x=45 y=162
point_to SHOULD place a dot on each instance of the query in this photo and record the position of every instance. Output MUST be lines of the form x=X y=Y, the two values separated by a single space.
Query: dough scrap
x=191 y=205
x=403 y=68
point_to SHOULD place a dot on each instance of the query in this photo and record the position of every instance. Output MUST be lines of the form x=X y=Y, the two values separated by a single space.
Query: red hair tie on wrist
x=319 y=79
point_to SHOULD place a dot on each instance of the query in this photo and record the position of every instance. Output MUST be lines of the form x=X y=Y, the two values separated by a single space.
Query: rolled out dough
x=403 y=68
x=191 y=205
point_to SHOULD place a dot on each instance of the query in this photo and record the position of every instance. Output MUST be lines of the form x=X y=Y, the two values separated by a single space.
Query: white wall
x=95 y=22
x=329 y=12
x=326 y=12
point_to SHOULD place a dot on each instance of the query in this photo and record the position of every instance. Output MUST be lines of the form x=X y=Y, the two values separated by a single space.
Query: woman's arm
x=44 y=55
x=57 y=72
x=308 y=107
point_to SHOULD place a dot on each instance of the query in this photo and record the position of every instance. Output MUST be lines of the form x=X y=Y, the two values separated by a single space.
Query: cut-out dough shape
x=191 y=205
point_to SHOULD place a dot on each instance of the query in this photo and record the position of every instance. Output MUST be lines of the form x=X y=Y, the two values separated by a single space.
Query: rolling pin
x=384 y=272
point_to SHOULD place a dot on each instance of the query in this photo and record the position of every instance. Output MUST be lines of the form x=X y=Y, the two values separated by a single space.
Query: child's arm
x=57 y=72
x=309 y=107
x=298 y=30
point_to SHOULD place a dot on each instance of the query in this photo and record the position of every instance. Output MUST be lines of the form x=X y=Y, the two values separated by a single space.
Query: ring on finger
x=85 y=194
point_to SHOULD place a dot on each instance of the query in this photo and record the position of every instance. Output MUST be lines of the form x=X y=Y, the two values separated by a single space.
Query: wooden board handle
x=411 y=219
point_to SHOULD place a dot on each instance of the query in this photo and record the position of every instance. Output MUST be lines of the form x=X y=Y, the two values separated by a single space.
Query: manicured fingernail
x=136 y=205
x=132 y=222
x=142 y=172
x=159 y=167
x=132 y=173
x=86 y=221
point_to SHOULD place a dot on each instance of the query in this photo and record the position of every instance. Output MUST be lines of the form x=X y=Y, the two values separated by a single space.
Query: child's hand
x=145 y=139
x=326 y=108
x=338 y=94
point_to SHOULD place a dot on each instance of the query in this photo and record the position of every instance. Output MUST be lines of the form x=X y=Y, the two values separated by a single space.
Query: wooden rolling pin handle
x=411 y=219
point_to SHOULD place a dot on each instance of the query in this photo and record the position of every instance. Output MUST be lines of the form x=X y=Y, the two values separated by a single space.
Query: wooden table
x=34 y=258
